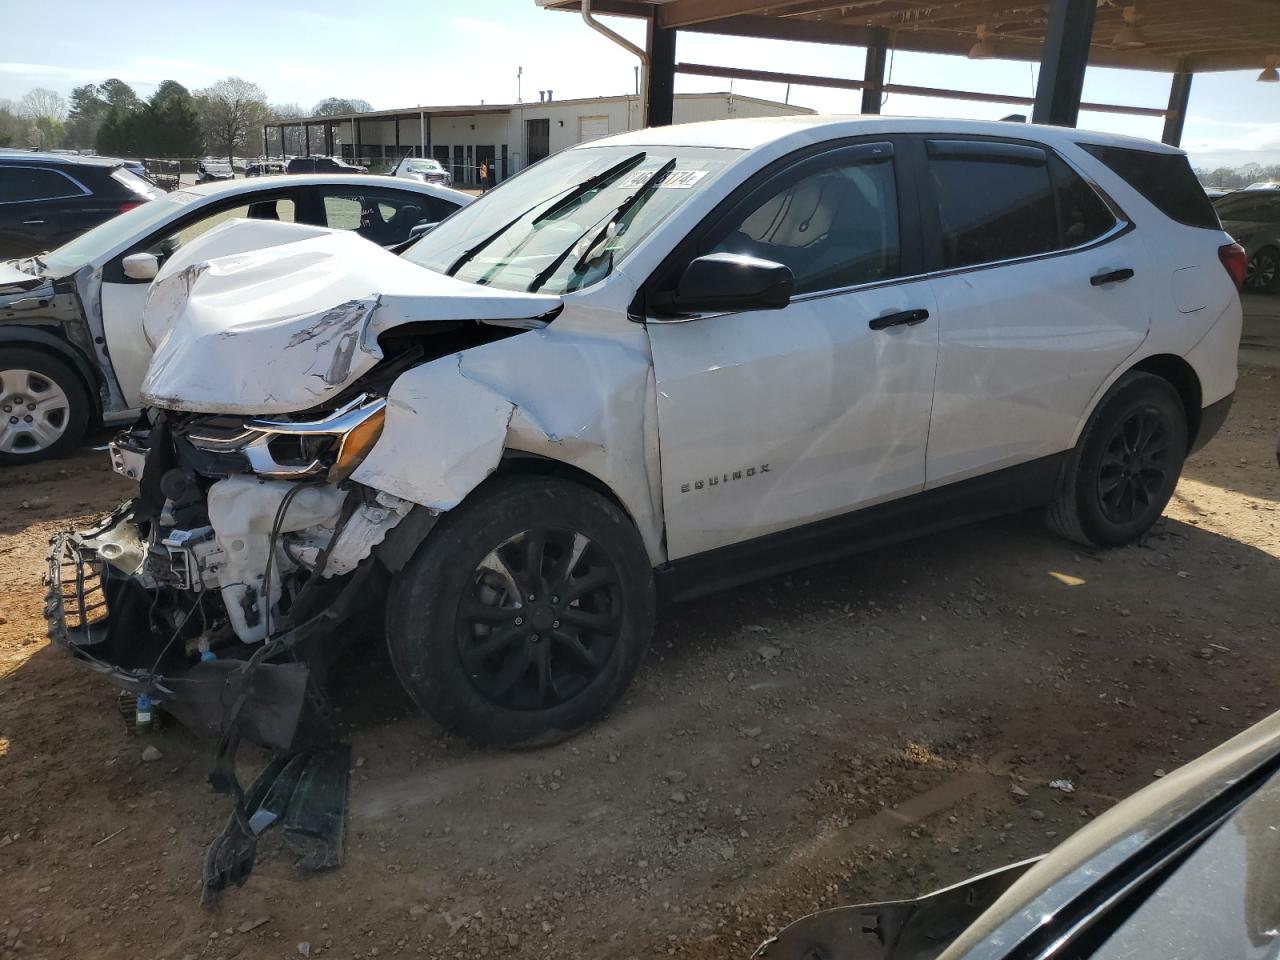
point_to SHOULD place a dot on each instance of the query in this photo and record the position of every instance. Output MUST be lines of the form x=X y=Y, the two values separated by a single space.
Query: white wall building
x=510 y=135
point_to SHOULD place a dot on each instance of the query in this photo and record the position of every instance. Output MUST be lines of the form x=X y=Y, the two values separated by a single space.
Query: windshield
x=120 y=229
x=422 y=166
x=564 y=223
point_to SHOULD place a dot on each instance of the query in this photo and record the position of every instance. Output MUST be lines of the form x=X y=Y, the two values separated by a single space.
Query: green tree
x=88 y=110
x=171 y=123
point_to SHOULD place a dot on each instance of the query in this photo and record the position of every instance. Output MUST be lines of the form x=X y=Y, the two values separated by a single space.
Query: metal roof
x=1179 y=35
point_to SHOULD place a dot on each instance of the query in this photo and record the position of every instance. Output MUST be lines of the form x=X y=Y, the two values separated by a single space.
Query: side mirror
x=141 y=266
x=418 y=229
x=722 y=282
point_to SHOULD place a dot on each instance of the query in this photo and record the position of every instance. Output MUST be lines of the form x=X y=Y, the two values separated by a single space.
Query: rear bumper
x=102 y=616
x=1212 y=418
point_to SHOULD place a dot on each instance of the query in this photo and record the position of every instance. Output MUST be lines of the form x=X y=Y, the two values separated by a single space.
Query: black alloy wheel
x=540 y=619
x=525 y=613
x=1116 y=481
x=1134 y=466
x=1262 y=273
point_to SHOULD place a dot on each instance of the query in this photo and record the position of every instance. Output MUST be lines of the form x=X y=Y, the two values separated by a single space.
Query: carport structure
x=1181 y=37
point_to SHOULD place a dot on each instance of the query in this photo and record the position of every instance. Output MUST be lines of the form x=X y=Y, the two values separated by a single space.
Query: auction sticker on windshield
x=676 y=179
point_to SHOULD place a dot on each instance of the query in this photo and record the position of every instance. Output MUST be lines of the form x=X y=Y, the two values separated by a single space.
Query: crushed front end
x=224 y=590
x=247 y=546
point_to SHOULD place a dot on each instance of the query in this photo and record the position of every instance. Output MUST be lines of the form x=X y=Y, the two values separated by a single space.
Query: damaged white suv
x=645 y=368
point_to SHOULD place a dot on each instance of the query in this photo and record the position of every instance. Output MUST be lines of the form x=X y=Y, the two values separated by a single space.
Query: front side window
x=833 y=226
x=385 y=220
x=565 y=223
x=22 y=184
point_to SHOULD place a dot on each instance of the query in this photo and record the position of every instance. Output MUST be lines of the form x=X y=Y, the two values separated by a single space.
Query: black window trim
x=910 y=238
x=84 y=191
x=933 y=230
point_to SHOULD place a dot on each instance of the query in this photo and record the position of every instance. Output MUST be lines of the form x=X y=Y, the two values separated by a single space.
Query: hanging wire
x=884 y=94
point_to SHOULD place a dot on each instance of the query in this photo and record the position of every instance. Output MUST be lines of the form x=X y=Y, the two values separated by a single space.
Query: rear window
x=1164 y=179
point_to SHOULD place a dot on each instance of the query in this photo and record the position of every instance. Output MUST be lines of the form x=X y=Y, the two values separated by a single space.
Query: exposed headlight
x=332 y=446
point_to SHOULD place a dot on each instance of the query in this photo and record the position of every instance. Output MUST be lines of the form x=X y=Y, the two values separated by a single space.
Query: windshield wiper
x=611 y=218
x=564 y=200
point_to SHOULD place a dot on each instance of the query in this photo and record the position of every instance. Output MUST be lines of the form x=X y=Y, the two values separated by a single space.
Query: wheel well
x=1183 y=378
x=66 y=353
x=532 y=464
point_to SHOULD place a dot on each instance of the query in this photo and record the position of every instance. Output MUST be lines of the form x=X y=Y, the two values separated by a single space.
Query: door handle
x=905 y=318
x=32 y=223
x=1111 y=276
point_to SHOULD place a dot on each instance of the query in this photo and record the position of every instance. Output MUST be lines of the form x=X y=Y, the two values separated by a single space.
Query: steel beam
x=873 y=72
x=661 y=45
x=1176 y=115
x=1066 y=53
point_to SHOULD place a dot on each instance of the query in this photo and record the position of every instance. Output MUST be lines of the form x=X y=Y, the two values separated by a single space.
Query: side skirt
x=1015 y=488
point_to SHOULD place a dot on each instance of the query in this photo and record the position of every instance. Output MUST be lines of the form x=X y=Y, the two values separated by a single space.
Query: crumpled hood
x=295 y=319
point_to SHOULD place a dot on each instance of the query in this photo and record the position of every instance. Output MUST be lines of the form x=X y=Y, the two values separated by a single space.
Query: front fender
x=578 y=398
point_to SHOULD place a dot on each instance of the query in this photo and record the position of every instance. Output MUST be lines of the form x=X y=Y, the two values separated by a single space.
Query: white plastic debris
x=1066 y=786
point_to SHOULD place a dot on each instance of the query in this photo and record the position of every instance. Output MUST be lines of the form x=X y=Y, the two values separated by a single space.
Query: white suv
x=645 y=368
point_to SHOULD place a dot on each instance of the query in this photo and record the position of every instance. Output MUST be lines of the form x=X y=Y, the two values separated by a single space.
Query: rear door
x=1043 y=290
x=42 y=208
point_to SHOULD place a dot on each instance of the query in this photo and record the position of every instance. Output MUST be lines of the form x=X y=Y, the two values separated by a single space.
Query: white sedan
x=73 y=351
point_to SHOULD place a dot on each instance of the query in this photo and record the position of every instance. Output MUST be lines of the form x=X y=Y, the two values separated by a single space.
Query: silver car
x=424 y=171
x=1252 y=217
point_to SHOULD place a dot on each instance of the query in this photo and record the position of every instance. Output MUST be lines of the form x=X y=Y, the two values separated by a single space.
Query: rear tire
x=44 y=407
x=1118 y=479
x=525 y=614
x=1263 y=271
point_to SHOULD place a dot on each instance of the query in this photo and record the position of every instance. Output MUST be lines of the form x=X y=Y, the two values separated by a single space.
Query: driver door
x=771 y=419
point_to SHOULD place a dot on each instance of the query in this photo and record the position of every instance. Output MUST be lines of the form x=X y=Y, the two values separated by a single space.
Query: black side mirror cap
x=730 y=282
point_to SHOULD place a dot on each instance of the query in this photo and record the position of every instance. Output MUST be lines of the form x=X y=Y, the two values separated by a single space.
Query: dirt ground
x=872 y=729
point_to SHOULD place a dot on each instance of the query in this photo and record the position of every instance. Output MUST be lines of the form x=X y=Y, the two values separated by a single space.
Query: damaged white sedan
x=645 y=368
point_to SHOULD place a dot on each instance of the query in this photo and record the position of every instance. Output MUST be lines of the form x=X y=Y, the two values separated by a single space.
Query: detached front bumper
x=101 y=611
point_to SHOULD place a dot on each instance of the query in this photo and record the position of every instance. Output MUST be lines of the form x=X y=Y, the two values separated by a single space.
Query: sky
x=406 y=53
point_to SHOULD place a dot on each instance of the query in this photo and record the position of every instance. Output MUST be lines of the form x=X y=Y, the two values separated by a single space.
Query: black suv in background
x=323 y=165
x=47 y=199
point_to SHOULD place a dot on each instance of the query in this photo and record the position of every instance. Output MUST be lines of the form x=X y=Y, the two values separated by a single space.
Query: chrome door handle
x=1111 y=276
x=32 y=223
x=905 y=318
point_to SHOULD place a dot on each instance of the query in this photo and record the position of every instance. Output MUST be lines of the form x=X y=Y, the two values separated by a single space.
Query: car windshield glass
x=524 y=236
x=102 y=239
x=421 y=166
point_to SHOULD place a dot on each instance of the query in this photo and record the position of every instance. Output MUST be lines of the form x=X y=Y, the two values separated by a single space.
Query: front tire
x=525 y=614
x=44 y=407
x=1120 y=476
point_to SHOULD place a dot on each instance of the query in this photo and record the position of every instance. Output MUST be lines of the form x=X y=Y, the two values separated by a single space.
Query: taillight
x=1236 y=262
x=129 y=205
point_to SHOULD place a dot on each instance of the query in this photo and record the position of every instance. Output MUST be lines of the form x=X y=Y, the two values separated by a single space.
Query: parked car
x=209 y=170
x=263 y=168
x=428 y=171
x=73 y=350
x=322 y=165
x=1264 y=185
x=649 y=367
x=1186 y=867
x=47 y=199
x=1253 y=218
